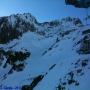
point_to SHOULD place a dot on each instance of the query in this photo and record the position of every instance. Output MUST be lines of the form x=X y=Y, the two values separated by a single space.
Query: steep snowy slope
x=53 y=56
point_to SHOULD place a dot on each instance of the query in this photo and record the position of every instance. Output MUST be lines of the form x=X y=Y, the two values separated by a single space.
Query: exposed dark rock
x=35 y=81
x=71 y=81
x=60 y=87
x=79 y=70
x=84 y=63
x=13 y=57
x=8 y=32
x=70 y=78
x=26 y=87
x=18 y=67
x=52 y=66
x=85 y=46
x=86 y=31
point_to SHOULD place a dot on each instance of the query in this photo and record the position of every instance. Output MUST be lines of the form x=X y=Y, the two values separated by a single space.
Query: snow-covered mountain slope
x=53 y=56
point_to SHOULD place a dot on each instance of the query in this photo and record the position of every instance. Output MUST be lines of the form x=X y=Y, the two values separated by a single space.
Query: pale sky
x=43 y=10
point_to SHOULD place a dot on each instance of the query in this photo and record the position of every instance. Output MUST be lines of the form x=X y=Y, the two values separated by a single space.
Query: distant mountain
x=52 y=55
